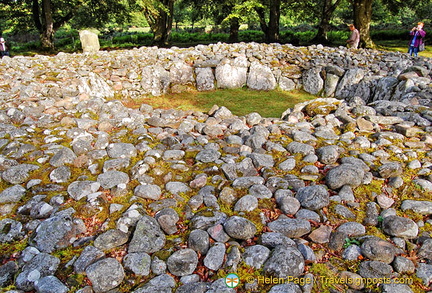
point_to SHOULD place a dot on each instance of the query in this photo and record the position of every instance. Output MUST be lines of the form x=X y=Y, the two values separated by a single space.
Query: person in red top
x=417 y=35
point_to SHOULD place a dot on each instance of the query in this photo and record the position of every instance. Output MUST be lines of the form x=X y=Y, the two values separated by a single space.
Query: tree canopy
x=46 y=16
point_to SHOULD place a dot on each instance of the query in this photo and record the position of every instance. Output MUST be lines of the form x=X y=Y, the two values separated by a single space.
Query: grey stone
x=286 y=202
x=260 y=77
x=285 y=261
x=162 y=284
x=312 y=81
x=148 y=236
x=345 y=174
x=425 y=250
x=403 y=265
x=182 y=262
x=7 y=272
x=390 y=170
x=138 y=262
x=256 y=255
x=150 y=191
x=167 y=219
x=55 y=233
x=396 y=288
x=10 y=230
x=60 y=175
x=18 y=174
x=176 y=187
x=50 y=284
x=292 y=228
x=313 y=197
x=400 y=227
x=239 y=228
x=112 y=179
x=89 y=255
x=215 y=256
x=41 y=265
x=12 y=194
x=155 y=80
x=62 y=157
x=377 y=249
x=205 y=79
x=246 y=203
x=375 y=269
x=352 y=229
x=424 y=272
x=231 y=76
x=208 y=156
x=110 y=239
x=328 y=154
x=105 y=274
x=80 y=189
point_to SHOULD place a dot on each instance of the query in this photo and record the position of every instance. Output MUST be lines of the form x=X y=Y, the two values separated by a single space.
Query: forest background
x=50 y=26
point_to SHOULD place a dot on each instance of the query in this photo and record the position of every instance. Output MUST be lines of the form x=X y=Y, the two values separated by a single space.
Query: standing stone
x=205 y=79
x=155 y=80
x=89 y=41
x=349 y=83
x=312 y=81
x=229 y=76
x=330 y=85
x=261 y=78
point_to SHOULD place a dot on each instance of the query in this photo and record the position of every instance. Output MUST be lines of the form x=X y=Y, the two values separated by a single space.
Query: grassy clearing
x=269 y=104
x=401 y=46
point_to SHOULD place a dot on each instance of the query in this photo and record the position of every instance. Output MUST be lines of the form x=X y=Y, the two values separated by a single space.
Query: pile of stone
x=328 y=72
x=99 y=197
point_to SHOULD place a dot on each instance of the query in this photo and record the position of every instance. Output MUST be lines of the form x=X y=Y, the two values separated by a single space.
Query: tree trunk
x=47 y=32
x=270 y=30
x=234 y=30
x=324 y=25
x=274 y=19
x=362 y=21
x=161 y=23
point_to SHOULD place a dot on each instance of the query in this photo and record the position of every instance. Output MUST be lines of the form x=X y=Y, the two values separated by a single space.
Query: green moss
x=322 y=274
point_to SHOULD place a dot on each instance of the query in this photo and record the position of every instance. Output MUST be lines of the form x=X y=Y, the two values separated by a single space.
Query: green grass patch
x=401 y=46
x=270 y=104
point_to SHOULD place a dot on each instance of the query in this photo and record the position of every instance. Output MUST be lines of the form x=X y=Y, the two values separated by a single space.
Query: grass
x=401 y=46
x=270 y=104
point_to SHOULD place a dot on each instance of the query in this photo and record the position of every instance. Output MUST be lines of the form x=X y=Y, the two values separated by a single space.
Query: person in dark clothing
x=417 y=35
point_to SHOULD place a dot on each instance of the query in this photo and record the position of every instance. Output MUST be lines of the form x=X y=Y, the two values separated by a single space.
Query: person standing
x=354 y=39
x=417 y=35
x=4 y=51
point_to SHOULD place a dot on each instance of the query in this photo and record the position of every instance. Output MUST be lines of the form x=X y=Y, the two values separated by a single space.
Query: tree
x=159 y=15
x=270 y=29
x=362 y=20
x=327 y=10
x=47 y=16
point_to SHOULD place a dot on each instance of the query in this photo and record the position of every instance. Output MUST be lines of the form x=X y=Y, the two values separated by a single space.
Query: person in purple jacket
x=417 y=35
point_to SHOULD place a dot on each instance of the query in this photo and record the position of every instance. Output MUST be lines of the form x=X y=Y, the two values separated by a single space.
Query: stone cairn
x=100 y=196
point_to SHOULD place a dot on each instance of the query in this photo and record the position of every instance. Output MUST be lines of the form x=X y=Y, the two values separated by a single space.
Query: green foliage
x=251 y=36
x=390 y=34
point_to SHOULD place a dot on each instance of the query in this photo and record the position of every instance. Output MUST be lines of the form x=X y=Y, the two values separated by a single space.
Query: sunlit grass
x=239 y=101
x=401 y=46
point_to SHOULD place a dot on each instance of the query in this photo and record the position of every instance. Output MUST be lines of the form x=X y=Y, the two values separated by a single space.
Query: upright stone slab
x=89 y=41
x=232 y=74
